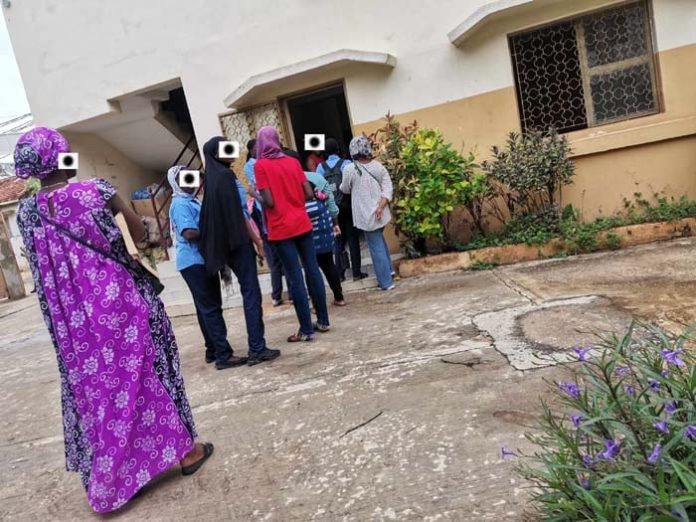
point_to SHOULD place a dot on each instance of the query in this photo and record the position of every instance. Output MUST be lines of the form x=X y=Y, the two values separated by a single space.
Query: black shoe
x=265 y=355
x=232 y=362
x=360 y=277
x=209 y=358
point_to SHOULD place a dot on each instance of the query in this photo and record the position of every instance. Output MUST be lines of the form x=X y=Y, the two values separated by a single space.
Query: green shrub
x=624 y=448
x=533 y=167
x=33 y=185
x=436 y=180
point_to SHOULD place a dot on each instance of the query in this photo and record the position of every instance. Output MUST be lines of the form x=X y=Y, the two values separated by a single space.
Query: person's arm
x=325 y=188
x=267 y=197
x=387 y=191
x=308 y=192
x=184 y=221
x=191 y=234
x=347 y=181
x=255 y=238
x=135 y=224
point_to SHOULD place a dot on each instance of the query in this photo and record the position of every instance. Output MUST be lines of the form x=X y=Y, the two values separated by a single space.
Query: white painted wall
x=74 y=55
x=98 y=158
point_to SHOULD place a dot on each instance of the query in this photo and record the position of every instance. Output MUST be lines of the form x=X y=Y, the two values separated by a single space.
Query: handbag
x=149 y=271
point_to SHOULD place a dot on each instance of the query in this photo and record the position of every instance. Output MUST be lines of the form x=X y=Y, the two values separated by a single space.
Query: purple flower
x=570 y=389
x=623 y=371
x=666 y=374
x=655 y=455
x=504 y=452
x=581 y=352
x=576 y=420
x=691 y=431
x=630 y=390
x=585 y=483
x=653 y=385
x=611 y=450
x=673 y=357
x=588 y=461
x=671 y=407
x=662 y=426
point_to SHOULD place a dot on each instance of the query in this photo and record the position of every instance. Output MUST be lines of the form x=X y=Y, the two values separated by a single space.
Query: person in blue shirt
x=273 y=260
x=184 y=214
x=332 y=170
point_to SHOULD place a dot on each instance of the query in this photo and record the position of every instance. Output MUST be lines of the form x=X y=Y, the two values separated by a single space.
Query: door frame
x=285 y=110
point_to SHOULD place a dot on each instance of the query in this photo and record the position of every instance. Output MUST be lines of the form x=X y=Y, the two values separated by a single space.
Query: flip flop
x=300 y=338
x=208 y=449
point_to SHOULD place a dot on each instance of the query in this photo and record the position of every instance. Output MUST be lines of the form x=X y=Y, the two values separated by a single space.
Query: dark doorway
x=320 y=112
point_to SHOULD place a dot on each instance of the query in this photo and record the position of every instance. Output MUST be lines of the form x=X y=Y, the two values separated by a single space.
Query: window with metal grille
x=589 y=71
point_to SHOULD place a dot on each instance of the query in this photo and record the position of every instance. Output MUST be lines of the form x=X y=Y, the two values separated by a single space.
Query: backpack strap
x=326 y=167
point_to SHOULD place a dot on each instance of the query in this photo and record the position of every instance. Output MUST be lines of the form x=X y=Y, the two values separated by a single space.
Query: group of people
x=126 y=416
x=294 y=219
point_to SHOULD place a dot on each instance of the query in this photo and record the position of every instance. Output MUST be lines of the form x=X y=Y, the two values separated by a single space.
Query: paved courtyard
x=398 y=413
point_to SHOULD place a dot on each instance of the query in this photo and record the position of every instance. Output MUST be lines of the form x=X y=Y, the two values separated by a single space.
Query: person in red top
x=284 y=189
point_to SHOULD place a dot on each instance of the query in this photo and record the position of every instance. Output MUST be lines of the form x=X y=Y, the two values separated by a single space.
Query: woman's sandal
x=339 y=303
x=321 y=328
x=208 y=449
x=300 y=338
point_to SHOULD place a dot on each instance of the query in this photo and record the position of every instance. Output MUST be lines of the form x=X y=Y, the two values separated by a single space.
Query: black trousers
x=328 y=268
x=207 y=297
x=349 y=236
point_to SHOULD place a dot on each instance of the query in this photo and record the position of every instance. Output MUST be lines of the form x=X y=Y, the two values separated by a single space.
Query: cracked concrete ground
x=431 y=370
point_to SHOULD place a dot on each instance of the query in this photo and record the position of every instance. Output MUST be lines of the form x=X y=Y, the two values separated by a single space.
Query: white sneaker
x=390 y=288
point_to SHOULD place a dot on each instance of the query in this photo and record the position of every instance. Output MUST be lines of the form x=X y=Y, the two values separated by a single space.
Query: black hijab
x=222 y=225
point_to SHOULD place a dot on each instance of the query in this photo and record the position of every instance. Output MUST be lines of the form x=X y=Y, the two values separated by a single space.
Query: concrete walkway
x=398 y=413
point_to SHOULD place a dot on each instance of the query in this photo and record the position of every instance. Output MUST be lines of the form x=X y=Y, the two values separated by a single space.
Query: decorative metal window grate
x=585 y=72
x=242 y=126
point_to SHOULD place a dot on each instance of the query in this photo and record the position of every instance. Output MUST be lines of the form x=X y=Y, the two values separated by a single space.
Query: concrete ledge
x=630 y=235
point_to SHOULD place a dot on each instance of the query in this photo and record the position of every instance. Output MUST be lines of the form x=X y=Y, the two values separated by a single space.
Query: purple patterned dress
x=126 y=417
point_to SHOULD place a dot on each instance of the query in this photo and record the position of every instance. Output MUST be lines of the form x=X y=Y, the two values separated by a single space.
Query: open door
x=322 y=111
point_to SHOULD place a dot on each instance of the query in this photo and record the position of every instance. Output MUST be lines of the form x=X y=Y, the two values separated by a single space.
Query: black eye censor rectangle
x=228 y=149
x=68 y=161
x=314 y=141
x=189 y=178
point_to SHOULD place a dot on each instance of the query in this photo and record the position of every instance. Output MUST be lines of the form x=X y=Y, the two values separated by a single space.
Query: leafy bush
x=33 y=185
x=625 y=446
x=436 y=180
x=430 y=178
x=532 y=169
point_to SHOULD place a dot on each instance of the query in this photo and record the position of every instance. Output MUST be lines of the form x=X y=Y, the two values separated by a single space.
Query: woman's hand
x=336 y=231
x=380 y=208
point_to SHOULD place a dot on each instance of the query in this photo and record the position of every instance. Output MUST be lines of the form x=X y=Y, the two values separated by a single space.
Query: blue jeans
x=380 y=257
x=276 y=269
x=207 y=297
x=291 y=251
x=242 y=261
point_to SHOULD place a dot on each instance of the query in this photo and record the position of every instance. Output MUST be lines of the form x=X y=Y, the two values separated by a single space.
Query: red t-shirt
x=284 y=178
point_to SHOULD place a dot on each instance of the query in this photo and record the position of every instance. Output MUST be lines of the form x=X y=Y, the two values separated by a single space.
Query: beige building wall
x=652 y=154
x=100 y=159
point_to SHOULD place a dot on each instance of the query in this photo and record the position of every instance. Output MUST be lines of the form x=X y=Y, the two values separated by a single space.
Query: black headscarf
x=222 y=224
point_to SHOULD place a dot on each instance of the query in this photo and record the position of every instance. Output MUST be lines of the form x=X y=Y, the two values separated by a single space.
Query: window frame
x=587 y=73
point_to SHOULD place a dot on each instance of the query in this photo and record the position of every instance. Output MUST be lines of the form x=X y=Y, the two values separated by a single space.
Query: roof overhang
x=267 y=86
x=505 y=9
x=481 y=17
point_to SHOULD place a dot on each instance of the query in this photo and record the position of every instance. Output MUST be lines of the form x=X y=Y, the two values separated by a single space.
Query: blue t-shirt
x=331 y=162
x=184 y=214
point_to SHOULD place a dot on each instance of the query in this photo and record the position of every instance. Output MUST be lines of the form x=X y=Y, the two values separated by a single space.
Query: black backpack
x=334 y=176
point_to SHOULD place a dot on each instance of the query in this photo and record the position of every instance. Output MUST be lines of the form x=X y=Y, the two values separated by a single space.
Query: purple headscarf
x=268 y=144
x=36 y=153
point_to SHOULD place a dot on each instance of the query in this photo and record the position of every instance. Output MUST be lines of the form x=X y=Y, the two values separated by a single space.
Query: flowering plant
x=625 y=447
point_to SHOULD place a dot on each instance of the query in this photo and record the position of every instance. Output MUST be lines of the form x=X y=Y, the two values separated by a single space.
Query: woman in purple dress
x=126 y=418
